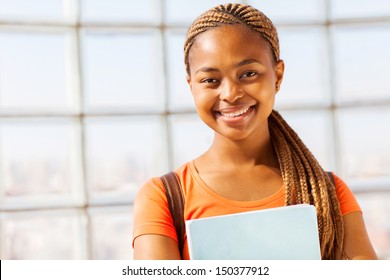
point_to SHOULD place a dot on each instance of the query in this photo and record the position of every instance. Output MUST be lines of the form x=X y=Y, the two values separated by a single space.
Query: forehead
x=229 y=42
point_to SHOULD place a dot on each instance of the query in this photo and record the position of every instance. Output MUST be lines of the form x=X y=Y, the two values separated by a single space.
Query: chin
x=233 y=135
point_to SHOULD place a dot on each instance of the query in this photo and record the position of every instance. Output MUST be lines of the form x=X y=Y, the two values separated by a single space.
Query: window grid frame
x=75 y=26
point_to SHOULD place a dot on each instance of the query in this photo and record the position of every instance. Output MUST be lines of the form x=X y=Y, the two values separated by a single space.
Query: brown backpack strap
x=176 y=205
x=330 y=175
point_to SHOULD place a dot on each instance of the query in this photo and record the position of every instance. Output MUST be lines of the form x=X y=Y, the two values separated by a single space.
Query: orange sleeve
x=348 y=202
x=151 y=211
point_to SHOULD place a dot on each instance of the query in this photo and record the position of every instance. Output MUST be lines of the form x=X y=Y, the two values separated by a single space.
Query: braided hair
x=304 y=179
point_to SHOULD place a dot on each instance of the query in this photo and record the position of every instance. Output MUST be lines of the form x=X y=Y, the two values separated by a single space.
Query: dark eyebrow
x=206 y=69
x=241 y=63
x=248 y=61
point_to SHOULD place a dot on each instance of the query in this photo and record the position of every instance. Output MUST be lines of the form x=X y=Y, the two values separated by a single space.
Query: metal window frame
x=74 y=23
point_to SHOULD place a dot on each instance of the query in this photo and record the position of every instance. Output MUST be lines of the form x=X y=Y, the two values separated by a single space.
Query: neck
x=255 y=150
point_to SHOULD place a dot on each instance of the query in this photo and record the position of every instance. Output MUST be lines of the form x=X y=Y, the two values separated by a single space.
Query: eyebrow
x=241 y=63
x=248 y=61
x=206 y=69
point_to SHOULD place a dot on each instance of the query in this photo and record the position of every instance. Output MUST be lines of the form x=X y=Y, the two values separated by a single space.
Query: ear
x=279 y=72
x=188 y=78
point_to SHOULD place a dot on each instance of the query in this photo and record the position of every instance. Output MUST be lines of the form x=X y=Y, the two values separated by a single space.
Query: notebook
x=284 y=233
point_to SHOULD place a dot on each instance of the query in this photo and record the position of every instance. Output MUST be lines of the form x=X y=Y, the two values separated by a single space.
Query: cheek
x=201 y=103
x=264 y=89
x=203 y=97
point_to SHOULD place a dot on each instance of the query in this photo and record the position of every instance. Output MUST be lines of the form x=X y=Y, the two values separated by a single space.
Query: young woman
x=256 y=160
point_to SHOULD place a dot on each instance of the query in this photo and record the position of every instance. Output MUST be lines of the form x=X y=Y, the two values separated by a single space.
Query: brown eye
x=248 y=74
x=209 y=81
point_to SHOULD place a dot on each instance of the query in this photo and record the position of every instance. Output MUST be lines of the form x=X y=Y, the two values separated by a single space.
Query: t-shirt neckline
x=237 y=203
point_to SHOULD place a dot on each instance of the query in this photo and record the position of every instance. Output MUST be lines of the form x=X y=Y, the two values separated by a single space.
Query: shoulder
x=153 y=188
x=153 y=191
x=150 y=201
x=347 y=200
x=151 y=213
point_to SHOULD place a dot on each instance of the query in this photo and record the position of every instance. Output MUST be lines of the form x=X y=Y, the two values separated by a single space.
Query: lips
x=232 y=112
x=235 y=116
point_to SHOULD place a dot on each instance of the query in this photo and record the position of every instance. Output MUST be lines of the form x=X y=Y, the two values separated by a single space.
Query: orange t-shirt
x=152 y=215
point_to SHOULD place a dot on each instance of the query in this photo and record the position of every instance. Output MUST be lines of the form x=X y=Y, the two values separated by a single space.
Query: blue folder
x=282 y=233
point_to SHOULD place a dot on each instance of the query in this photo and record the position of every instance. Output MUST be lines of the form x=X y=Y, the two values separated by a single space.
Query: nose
x=230 y=91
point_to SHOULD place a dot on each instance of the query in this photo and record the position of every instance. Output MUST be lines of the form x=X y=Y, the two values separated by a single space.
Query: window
x=94 y=102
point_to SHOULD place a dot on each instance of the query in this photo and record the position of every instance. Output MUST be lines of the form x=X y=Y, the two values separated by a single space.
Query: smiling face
x=234 y=78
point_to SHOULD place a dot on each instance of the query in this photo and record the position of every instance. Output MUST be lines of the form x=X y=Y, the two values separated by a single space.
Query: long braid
x=304 y=179
x=319 y=188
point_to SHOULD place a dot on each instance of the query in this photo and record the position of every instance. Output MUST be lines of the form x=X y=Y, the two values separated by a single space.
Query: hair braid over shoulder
x=306 y=182
x=304 y=179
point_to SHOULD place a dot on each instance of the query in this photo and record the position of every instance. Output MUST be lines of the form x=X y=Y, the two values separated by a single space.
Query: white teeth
x=235 y=114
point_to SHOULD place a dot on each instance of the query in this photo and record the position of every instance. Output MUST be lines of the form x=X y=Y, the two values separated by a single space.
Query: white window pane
x=27 y=9
x=287 y=10
x=365 y=149
x=39 y=163
x=34 y=72
x=376 y=209
x=185 y=11
x=43 y=235
x=315 y=130
x=145 y=11
x=122 y=153
x=180 y=96
x=107 y=222
x=123 y=71
x=360 y=8
x=362 y=56
x=306 y=79
x=191 y=138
